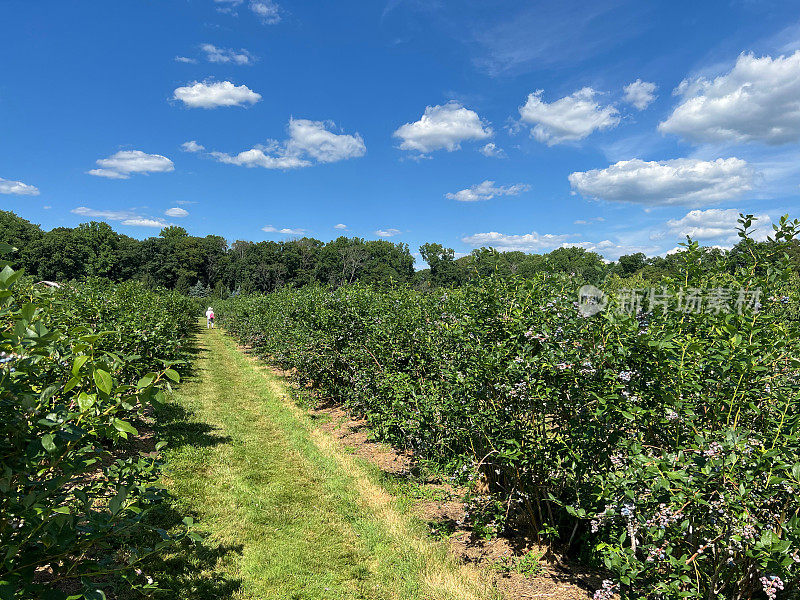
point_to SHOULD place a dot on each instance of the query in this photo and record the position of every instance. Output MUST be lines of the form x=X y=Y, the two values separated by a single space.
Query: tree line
x=211 y=265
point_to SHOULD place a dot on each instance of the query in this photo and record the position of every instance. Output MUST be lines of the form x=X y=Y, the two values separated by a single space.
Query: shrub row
x=78 y=368
x=662 y=443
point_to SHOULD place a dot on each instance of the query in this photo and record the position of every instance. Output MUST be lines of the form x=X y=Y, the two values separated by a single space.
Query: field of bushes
x=79 y=368
x=656 y=439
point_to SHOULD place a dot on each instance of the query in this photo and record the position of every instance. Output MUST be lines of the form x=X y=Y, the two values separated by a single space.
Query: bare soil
x=559 y=579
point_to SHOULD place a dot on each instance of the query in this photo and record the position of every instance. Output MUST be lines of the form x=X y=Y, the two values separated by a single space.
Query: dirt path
x=285 y=512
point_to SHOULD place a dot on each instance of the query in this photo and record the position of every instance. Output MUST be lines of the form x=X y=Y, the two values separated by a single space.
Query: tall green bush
x=662 y=443
x=78 y=367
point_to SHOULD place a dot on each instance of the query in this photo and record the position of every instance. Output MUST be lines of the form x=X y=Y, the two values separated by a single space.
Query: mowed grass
x=285 y=513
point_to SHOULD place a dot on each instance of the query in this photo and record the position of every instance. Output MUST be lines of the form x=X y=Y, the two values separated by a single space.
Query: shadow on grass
x=195 y=570
x=190 y=352
x=177 y=426
x=191 y=571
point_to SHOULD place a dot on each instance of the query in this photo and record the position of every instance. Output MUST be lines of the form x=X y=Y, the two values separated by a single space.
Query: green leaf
x=86 y=401
x=79 y=362
x=103 y=381
x=115 y=503
x=146 y=380
x=48 y=443
x=71 y=384
x=172 y=374
x=8 y=276
x=124 y=427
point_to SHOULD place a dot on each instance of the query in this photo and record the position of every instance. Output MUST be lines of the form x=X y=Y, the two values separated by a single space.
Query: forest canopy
x=213 y=265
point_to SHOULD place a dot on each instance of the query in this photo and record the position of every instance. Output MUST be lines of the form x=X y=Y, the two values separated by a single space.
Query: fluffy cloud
x=212 y=94
x=714 y=224
x=127 y=162
x=527 y=242
x=110 y=215
x=227 y=55
x=8 y=186
x=442 y=127
x=640 y=94
x=340 y=226
x=309 y=142
x=612 y=250
x=125 y=217
x=143 y=222
x=284 y=230
x=569 y=119
x=683 y=181
x=758 y=100
x=192 y=146
x=314 y=139
x=491 y=149
x=391 y=232
x=176 y=212
x=185 y=59
x=537 y=243
x=266 y=10
x=486 y=191
x=261 y=156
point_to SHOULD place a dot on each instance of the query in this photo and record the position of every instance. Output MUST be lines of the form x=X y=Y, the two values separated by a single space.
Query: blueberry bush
x=79 y=366
x=658 y=438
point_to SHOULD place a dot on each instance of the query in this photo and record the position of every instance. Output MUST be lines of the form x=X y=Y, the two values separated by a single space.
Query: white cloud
x=192 y=146
x=486 y=191
x=309 y=142
x=391 y=232
x=612 y=250
x=491 y=149
x=314 y=139
x=8 y=186
x=714 y=224
x=185 y=59
x=227 y=55
x=340 y=226
x=568 y=119
x=110 y=215
x=266 y=10
x=640 y=93
x=527 y=242
x=442 y=127
x=127 y=162
x=536 y=243
x=143 y=222
x=283 y=230
x=259 y=157
x=683 y=181
x=129 y=218
x=212 y=94
x=228 y=6
x=758 y=100
x=176 y=212
x=588 y=221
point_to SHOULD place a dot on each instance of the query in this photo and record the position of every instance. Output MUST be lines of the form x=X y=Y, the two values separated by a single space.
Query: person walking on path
x=210 y=318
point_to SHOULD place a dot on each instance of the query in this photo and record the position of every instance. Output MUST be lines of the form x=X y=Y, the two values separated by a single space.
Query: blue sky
x=617 y=126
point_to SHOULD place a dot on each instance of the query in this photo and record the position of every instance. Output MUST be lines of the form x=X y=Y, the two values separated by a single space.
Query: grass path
x=285 y=511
